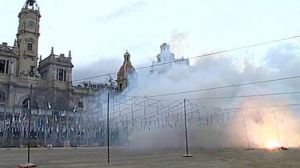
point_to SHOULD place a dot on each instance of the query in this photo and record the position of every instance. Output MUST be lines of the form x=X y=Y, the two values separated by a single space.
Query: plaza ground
x=167 y=158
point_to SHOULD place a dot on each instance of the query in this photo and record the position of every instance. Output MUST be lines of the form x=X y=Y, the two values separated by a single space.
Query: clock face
x=31 y=24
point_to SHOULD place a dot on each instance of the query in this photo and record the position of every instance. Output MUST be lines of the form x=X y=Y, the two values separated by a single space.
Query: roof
x=125 y=69
x=6 y=50
x=56 y=59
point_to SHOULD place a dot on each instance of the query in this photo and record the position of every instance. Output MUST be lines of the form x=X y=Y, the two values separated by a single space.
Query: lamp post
x=45 y=128
x=28 y=132
x=186 y=132
x=29 y=106
x=67 y=133
x=4 y=125
x=108 y=152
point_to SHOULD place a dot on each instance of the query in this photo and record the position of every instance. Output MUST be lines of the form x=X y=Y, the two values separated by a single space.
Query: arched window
x=25 y=103
x=2 y=97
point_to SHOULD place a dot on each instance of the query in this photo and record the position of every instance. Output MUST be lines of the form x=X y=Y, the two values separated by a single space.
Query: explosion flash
x=272 y=145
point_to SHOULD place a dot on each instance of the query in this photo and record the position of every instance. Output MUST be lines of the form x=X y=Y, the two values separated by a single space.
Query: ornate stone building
x=61 y=112
x=24 y=76
x=166 y=59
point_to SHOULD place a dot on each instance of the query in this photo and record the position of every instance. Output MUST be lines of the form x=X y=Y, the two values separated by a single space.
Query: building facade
x=166 y=59
x=24 y=75
x=43 y=86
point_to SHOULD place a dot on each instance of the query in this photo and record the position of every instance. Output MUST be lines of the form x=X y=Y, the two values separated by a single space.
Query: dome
x=124 y=70
x=126 y=67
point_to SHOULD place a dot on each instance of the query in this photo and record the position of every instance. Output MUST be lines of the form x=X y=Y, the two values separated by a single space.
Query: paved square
x=168 y=158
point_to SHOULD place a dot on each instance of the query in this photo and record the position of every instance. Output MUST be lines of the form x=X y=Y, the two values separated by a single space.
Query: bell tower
x=126 y=73
x=28 y=39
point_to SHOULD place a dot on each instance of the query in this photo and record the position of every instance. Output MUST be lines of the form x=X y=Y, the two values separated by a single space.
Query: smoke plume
x=241 y=122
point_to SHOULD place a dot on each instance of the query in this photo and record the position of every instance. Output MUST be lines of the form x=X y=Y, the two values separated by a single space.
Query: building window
x=18 y=43
x=6 y=69
x=29 y=46
x=61 y=75
x=31 y=72
x=25 y=103
x=44 y=75
x=2 y=66
x=80 y=104
x=65 y=75
x=2 y=97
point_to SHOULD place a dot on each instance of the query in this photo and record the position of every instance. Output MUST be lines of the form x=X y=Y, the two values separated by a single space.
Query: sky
x=98 y=30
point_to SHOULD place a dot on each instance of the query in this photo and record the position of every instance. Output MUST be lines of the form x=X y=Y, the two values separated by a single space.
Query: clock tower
x=27 y=39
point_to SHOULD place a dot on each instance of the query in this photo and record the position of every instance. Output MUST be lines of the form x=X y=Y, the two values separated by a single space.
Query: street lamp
x=186 y=132
x=29 y=106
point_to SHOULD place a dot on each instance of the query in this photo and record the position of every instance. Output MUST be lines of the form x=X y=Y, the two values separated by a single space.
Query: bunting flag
x=64 y=113
x=49 y=105
x=28 y=104
x=24 y=118
x=93 y=126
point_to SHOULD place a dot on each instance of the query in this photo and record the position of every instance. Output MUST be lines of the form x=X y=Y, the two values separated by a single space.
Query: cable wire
x=223 y=87
x=199 y=56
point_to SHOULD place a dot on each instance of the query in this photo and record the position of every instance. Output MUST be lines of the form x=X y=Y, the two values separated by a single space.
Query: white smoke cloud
x=158 y=121
x=99 y=67
x=179 y=43
x=280 y=61
x=124 y=10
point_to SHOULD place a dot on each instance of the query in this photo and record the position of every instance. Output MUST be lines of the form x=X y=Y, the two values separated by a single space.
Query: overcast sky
x=99 y=29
